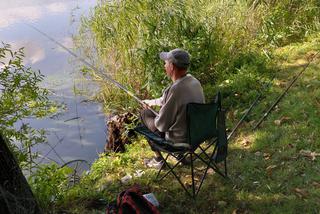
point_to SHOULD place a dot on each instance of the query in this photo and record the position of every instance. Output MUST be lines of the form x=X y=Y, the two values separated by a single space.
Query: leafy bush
x=288 y=21
x=49 y=183
x=21 y=97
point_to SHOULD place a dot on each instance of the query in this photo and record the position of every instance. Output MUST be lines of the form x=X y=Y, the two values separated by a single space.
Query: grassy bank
x=272 y=170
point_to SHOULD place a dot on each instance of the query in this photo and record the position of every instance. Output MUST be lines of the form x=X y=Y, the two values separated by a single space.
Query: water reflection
x=34 y=52
x=78 y=133
x=16 y=11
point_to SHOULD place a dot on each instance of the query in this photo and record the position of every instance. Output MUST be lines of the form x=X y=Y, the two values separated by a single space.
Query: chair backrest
x=202 y=121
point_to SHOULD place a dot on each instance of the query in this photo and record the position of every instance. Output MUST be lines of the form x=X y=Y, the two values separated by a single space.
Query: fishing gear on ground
x=265 y=115
x=254 y=103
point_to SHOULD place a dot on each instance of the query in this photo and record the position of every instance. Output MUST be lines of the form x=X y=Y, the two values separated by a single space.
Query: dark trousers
x=147 y=117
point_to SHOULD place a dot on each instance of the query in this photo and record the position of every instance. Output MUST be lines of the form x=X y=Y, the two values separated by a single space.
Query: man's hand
x=147 y=104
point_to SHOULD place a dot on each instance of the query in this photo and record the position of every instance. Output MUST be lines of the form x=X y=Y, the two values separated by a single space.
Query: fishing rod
x=250 y=108
x=94 y=68
x=285 y=91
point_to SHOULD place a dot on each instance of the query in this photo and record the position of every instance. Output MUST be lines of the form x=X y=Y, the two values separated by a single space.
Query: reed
x=219 y=35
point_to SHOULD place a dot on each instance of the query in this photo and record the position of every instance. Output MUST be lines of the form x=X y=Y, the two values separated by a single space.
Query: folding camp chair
x=205 y=123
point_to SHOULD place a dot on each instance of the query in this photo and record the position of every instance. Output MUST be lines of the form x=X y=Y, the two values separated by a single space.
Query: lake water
x=81 y=138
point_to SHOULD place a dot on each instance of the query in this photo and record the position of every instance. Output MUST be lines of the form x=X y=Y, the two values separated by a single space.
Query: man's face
x=168 y=66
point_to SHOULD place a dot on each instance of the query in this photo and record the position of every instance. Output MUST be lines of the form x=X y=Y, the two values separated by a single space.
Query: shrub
x=289 y=21
x=21 y=97
x=49 y=183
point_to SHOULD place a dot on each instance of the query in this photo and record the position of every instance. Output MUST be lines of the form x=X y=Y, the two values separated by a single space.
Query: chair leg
x=175 y=175
x=192 y=176
x=225 y=168
x=208 y=146
x=193 y=156
x=208 y=166
x=171 y=169
x=165 y=160
x=211 y=158
x=213 y=166
x=203 y=152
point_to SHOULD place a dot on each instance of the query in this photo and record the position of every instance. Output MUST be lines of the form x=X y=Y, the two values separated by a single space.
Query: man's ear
x=172 y=66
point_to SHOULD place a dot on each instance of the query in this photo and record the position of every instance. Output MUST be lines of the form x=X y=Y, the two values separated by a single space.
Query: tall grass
x=227 y=40
x=289 y=20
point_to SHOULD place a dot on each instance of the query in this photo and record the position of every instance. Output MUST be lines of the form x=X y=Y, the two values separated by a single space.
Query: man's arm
x=167 y=114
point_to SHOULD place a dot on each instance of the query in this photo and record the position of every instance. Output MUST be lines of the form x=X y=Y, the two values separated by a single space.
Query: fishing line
x=93 y=67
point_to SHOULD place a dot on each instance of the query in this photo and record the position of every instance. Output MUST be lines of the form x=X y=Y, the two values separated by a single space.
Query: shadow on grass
x=272 y=181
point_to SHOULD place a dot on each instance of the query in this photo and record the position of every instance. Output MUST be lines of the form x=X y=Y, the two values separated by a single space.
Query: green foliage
x=130 y=35
x=227 y=40
x=49 y=183
x=21 y=97
x=223 y=38
x=248 y=77
x=288 y=21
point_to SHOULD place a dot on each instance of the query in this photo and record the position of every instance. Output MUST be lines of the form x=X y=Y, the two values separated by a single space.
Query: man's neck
x=178 y=75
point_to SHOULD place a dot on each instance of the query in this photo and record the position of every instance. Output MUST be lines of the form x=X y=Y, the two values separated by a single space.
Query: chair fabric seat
x=162 y=144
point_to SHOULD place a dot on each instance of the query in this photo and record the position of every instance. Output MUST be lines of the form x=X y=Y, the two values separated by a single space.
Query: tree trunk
x=116 y=137
x=15 y=193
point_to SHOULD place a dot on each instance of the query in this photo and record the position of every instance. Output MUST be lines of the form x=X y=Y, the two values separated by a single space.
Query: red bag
x=131 y=201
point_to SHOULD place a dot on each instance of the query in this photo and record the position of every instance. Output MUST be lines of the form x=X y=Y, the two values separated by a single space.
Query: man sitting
x=171 y=122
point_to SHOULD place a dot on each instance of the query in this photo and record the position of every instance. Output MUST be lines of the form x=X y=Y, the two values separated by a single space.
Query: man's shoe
x=153 y=163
